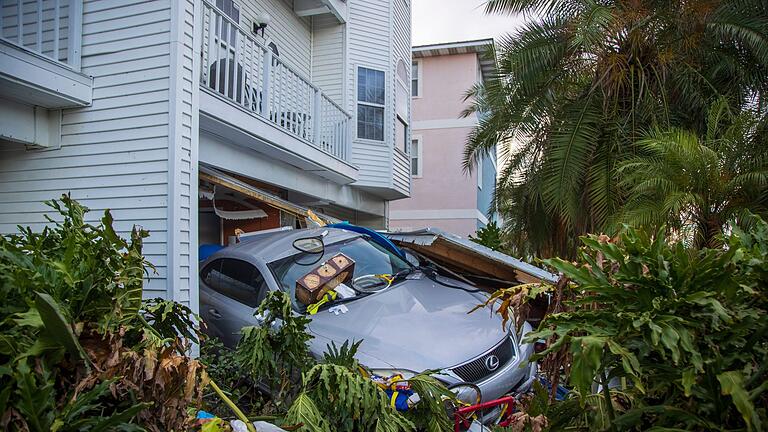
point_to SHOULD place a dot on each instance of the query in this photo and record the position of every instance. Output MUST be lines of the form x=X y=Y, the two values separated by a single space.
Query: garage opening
x=232 y=207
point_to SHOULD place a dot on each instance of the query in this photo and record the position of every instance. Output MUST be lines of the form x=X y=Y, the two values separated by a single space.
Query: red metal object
x=462 y=416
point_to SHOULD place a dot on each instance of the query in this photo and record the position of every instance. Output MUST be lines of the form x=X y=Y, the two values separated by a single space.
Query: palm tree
x=583 y=80
x=698 y=185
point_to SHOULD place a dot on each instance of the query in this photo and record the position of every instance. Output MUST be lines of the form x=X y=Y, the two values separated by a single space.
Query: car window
x=211 y=271
x=370 y=258
x=236 y=279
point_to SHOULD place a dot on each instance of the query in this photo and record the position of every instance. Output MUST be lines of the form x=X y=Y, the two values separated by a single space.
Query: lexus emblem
x=492 y=362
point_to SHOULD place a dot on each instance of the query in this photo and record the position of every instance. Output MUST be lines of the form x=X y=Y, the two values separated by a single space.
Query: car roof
x=277 y=245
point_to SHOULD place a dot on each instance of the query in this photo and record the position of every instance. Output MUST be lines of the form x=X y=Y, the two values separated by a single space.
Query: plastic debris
x=261 y=426
x=345 y=291
x=340 y=309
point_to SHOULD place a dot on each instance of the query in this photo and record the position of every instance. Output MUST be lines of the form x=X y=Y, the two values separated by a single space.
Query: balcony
x=40 y=42
x=253 y=98
x=338 y=8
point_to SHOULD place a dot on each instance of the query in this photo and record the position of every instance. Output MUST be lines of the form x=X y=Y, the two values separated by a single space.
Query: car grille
x=477 y=370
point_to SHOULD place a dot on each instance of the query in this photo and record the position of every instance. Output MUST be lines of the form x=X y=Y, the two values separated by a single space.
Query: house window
x=401 y=141
x=273 y=47
x=370 y=104
x=229 y=8
x=480 y=173
x=415 y=79
x=416 y=156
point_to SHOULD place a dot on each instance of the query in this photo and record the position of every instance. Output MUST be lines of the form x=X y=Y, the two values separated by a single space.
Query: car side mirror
x=412 y=259
x=312 y=245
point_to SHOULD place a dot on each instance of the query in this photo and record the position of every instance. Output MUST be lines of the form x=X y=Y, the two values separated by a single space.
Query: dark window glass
x=415 y=157
x=402 y=135
x=370 y=107
x=414 y=79
x=210 y=272
x=370 y=258
x=273 y=47
x=370 y=122
x=370 y=86
x=235 y=279
x=229 y=8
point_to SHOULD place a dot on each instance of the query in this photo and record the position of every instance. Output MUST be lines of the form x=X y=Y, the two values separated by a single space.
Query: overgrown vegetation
x=653 y=334
x=79 y=349
x=489 y=236
x=283 y=381
x=582 y=86
x=698 y=186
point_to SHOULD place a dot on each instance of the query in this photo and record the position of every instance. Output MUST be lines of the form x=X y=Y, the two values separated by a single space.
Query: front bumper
x=516 y=376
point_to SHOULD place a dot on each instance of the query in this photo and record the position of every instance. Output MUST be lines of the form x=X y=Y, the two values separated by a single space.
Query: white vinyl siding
x=368 y=46
x=328 y=56
x=401 y=52
x=291 y=33
x=115 y=153
x=182 y=255
x=401 y=172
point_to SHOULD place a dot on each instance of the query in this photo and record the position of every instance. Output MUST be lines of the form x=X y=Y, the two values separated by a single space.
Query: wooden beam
x=474 y=263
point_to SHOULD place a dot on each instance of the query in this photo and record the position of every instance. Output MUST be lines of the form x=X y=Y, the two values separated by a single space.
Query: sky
x=439 y=21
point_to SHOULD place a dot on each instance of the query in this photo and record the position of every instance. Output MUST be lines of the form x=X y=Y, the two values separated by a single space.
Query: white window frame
x=419 y=78
x=371 y=104
x=419 y=156
x=480 y=164
x=404 y=117
x=406 y=142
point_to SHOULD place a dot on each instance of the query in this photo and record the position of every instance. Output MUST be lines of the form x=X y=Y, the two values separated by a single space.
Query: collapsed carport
x=230 y=207
x=484 y=266
x=476 y=264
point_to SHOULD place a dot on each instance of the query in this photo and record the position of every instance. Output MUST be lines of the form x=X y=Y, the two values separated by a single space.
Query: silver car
x=418 y=322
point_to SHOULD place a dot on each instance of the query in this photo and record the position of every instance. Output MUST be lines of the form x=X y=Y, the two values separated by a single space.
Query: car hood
x=414 y=325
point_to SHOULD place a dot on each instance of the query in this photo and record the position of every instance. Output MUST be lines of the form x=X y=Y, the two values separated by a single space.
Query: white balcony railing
x=246 y=73
x=51 y=28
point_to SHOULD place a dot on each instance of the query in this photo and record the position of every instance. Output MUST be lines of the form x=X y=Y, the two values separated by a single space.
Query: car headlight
x=467 y=392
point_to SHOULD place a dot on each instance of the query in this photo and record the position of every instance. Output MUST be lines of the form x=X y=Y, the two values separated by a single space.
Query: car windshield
x=370 y=259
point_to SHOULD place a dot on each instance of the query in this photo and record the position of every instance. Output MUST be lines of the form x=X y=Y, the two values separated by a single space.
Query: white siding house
x=173 y=113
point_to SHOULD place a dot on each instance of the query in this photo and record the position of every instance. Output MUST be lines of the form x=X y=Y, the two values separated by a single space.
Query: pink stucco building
x=442 y=194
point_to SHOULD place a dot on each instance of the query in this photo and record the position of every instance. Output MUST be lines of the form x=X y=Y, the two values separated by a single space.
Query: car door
x=236 y=290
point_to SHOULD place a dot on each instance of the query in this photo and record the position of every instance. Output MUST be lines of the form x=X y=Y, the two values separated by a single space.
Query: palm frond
x=572 y=144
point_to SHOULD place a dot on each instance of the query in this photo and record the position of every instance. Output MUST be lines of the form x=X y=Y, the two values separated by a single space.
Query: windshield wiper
x=339 y=301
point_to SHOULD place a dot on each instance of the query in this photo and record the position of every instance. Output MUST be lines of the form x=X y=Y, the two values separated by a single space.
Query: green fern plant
x=343 y=355
x=347 y=400
x=79 y=350
x=276 y=354
x=654 y=334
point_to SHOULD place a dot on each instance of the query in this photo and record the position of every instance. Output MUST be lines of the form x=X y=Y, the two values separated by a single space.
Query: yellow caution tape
x=393 y=399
